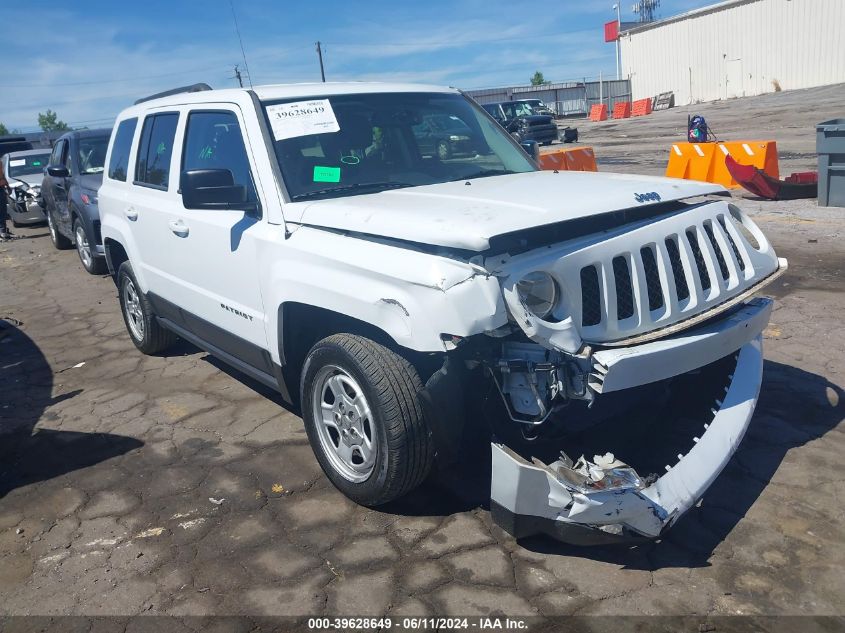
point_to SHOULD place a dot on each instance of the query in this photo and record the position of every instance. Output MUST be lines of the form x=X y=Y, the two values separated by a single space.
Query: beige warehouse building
x=737 y=48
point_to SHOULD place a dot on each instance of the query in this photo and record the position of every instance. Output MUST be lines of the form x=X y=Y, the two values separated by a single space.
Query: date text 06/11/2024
x=418 y=623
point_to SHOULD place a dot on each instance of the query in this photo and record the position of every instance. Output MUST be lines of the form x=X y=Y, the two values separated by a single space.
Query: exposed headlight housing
x=539 y=293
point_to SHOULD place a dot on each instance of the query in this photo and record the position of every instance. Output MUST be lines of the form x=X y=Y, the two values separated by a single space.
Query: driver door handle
x=131 y=214
x=178 y=228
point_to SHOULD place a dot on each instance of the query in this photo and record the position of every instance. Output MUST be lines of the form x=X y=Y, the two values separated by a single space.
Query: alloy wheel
x=132 y=310
x=344 y=423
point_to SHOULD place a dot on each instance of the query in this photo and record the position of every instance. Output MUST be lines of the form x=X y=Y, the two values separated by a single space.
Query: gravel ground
x=173 y=485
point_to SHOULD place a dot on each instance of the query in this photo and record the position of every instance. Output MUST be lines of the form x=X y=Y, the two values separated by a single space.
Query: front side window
x=376 y=142
x=91 y=153
x=28 y=165
x=119 y=159
x=156 y=150
x=213 y=140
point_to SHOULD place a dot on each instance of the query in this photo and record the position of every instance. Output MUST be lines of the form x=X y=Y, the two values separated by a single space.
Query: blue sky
x=88 y=59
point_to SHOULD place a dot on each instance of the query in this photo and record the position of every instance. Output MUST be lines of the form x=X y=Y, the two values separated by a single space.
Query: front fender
x=414 y=297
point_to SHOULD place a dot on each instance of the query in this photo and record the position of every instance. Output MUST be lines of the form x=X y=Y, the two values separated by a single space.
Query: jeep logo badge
x=651 y=196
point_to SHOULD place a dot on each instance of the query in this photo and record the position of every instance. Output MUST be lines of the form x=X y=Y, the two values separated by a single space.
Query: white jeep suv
x=302 y=235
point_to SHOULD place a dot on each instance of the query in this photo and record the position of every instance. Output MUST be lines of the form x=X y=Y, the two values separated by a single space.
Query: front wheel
x=361 y=408
x=146 y=333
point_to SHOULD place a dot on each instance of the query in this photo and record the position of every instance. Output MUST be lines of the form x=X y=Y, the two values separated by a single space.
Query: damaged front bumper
x=595 y=503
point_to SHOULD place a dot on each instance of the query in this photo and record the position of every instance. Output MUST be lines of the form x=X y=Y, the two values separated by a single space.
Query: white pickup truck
x=309 y=236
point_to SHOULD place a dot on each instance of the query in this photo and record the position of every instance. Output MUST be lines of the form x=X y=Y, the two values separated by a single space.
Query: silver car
x=24 y=171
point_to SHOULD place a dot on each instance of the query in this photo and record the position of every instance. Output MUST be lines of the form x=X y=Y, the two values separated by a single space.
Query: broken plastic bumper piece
x=605 y=500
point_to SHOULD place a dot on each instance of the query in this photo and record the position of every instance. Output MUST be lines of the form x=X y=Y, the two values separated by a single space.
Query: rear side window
x=213 y=140
x=156 y=150
x=119 y=159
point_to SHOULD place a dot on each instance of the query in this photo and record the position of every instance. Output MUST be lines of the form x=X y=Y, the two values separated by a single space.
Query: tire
x=92 y=264
x=144 y=330
x=60 y=242
x=381 y=406
x=444 y=152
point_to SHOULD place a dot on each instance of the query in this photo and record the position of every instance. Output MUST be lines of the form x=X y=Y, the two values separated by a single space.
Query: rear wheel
x=145 y=332
x=361 y=408
x=59 y=241
x=84 y=248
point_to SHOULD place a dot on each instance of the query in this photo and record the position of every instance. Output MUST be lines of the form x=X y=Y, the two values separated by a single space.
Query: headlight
x=88 y=197
x=539 y=292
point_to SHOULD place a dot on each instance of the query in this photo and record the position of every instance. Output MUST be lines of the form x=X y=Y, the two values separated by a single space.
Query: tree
x=3 y=130
x=538 y=79
x=49 y=122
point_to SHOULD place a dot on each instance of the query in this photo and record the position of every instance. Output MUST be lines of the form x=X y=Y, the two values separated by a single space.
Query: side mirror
x=213 y=189
x=58 y=172
x=532 y=148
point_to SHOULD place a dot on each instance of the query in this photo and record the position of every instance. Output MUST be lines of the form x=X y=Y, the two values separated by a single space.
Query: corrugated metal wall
x=738 y=48
x=566 y=99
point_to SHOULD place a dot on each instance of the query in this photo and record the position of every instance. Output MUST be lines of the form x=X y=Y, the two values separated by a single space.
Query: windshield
x=92 y=154
x=28 y=165
x=365 y=143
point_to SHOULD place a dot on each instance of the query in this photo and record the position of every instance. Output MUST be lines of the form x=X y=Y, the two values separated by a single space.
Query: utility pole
x=618 y=28
x=238 y=76
x=320 y=56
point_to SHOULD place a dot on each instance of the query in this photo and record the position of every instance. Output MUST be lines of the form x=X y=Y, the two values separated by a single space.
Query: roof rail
x=175 y=91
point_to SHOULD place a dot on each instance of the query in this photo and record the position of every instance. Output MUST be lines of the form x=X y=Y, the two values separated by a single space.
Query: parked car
x=537 y=106
x=299 y=234
x=24 y=172
x=522 y=122
x=444 y=136
x=69 y=189
x=11 y=143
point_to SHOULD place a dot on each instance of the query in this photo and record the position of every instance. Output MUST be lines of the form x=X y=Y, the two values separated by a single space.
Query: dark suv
x=71 y=180
x=523 y=123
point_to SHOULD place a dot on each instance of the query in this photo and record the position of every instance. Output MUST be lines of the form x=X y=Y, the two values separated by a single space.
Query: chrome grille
x=664 y=272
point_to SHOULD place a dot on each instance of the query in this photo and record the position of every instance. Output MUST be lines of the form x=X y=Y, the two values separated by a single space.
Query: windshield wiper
x=484 y=173
x=352 y=187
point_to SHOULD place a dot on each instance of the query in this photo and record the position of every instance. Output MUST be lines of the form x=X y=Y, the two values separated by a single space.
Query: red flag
x=611 y=31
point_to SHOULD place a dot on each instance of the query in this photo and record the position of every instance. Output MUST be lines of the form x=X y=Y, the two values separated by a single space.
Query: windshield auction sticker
x=302 y=118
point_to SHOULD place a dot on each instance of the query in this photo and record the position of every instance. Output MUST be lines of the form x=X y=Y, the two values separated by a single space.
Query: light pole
x=618 y=27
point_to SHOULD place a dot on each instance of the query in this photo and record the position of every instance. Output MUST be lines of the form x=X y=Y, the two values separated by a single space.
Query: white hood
x=466 y=216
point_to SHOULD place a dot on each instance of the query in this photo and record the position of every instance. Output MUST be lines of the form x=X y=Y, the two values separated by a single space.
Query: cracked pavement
x=173 y=485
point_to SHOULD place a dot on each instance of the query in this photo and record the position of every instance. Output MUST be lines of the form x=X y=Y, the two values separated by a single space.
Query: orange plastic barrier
x=641 y=107
x=706 y=161
x=622 y=110
x=568 y=159
x=598 y=112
